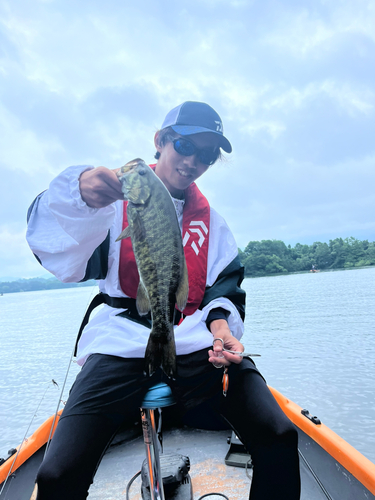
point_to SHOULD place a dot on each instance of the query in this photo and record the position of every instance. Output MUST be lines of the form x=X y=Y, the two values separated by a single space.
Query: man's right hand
x=100 y=187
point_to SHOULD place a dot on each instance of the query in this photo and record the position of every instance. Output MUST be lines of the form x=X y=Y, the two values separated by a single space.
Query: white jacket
x=63 y=232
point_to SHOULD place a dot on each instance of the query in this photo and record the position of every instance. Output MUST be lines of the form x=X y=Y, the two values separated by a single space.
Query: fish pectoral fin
x=125 y=234
x=183 y=289
x=142 y=300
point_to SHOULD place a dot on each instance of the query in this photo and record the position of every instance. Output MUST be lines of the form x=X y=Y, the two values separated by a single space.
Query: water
x=315 y=332
x=316 y=335
x=37 y=337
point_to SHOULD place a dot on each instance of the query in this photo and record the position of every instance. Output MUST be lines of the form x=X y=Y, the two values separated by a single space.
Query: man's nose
x=191 y=161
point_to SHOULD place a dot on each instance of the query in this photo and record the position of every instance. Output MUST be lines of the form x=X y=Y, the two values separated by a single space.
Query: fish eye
x=142 y=171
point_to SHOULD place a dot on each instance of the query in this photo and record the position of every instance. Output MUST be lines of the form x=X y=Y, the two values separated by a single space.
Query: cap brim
x=191 y=129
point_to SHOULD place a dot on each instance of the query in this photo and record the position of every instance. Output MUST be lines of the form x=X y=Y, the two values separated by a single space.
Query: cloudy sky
x=90 y=82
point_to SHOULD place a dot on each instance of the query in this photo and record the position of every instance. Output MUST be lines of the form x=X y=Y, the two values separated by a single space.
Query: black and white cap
x=193 y=117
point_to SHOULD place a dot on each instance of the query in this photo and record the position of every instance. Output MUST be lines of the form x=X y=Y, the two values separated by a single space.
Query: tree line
x=260 y=258
x=266 y=257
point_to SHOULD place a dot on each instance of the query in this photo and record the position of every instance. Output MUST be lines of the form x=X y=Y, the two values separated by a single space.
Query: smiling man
x=72 y=231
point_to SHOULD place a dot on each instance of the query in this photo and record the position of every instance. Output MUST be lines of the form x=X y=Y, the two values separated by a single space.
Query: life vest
x=195 y=236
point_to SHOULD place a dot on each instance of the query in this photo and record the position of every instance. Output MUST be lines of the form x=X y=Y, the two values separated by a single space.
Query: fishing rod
x=27 y=432
x=60 y=400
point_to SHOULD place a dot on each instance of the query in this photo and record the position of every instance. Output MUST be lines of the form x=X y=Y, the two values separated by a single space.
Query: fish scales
x=157 y=245
x=155 y=259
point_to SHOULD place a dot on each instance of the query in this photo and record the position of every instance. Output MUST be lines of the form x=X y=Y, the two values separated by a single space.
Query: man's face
x=177 y=171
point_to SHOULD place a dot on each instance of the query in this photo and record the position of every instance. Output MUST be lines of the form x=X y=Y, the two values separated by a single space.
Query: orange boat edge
x=345 y=454
x=342 y=452
x=30 y=445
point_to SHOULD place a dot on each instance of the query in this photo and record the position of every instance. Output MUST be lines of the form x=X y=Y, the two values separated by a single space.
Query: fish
x=157 y=245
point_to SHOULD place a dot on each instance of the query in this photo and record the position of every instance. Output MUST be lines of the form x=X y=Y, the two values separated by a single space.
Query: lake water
x=315 y=332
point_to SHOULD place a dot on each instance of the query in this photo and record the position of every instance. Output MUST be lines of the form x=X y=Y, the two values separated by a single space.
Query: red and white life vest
x=195 y=237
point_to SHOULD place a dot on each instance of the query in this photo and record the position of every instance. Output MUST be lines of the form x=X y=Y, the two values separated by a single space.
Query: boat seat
x=158 y=396
x=172 y=469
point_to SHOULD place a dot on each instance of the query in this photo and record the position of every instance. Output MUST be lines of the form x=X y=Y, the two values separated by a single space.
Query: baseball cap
x=193 y=117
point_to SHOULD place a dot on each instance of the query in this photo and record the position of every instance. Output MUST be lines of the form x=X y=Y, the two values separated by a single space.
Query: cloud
x=293 y=201
x=16 y=259
x=318 y=31
x=90 y=83
x=23 y=146
x=345 y=96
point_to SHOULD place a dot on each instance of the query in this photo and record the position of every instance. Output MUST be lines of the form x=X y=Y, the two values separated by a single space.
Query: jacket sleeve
x=228 y=285
x=64 y=233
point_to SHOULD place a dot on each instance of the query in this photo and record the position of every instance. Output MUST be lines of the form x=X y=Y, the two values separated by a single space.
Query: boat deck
x=206 y=450
x=208 y=471
x=330 y=470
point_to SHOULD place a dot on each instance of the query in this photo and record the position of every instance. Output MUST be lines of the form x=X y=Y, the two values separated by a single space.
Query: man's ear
x=157 y=142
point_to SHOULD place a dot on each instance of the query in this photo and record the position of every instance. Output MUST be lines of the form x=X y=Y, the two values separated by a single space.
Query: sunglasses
x=185 y=147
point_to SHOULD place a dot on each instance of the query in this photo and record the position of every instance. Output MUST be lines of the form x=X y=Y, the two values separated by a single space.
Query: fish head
x=135 y=181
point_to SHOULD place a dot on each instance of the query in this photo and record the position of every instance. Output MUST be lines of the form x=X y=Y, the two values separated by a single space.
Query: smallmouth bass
x=157 y=244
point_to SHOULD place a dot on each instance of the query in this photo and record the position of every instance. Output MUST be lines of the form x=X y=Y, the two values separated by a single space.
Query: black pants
x=108 y=392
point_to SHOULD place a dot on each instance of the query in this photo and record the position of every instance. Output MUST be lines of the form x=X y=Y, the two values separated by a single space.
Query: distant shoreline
x=287 y=273
x=260 y=259
x=38 y=284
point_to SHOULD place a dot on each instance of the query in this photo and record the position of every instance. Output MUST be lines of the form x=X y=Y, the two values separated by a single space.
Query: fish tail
x=161 y=354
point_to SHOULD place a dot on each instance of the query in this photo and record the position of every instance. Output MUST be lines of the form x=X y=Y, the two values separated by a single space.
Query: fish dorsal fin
x=183 y=288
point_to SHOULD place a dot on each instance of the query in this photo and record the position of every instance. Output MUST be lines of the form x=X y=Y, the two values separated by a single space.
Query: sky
x=90 y=82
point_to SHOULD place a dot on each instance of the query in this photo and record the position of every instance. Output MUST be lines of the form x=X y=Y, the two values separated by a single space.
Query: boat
x=214 y=457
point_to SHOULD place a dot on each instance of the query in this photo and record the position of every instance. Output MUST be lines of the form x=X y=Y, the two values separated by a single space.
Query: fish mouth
x=127 y=168
x=131 y=165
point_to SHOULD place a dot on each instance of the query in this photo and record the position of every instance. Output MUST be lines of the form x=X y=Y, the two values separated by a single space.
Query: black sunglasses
x=187 y=148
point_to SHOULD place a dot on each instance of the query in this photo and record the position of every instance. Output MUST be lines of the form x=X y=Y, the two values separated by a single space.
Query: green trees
x=260 y=258
x=273 y=256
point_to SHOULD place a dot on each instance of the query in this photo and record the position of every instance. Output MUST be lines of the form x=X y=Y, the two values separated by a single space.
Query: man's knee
x=288 y=434
x=49 y=477
x=60 y=481
x=273 y=436
x=284 y=435
x=278 y=445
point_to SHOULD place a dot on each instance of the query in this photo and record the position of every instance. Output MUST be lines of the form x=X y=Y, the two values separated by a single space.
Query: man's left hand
x=220 y=330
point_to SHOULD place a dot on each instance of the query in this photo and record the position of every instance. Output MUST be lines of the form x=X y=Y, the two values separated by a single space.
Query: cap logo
x=219 y=126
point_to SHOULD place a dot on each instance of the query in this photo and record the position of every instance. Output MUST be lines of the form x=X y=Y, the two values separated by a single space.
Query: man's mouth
x=183 y=173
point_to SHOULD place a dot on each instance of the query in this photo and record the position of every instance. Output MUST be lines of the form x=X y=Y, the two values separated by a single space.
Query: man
x=72 y=231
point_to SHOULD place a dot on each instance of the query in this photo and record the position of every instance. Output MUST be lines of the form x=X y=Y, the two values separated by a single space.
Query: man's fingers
x=100 y=187
x=232 y=358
